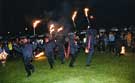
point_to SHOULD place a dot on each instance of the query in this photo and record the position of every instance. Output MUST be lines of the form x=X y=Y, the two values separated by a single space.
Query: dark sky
x=106 y=11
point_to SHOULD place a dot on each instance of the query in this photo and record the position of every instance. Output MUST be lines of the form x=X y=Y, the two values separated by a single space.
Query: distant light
x=8 y=32
x=35 y=23
x=26 y=29
x=91 y=17
x=102 y=30
x=88 y=27
x=114 y=29
x=125 y=29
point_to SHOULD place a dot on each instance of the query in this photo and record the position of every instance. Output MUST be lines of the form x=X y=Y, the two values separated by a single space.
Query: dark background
x=13 y=13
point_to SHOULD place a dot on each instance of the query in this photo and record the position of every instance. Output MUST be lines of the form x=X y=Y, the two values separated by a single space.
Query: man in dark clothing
x=73 y=49
x=60 y=41
x=91 y=34
x=49 y=46
x=27 y=51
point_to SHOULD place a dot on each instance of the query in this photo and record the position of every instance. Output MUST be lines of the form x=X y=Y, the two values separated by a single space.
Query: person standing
x=60 y=41
x=73 y=48
x=48 y=47
x=111 y=42
x=27 y=51
x=90 y=43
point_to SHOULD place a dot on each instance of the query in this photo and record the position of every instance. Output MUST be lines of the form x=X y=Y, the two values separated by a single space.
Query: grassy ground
x=105 y=68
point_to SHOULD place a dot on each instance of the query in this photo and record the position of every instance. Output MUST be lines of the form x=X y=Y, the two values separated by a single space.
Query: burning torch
x=60 y=29
x=35 y=23
x=86 y=10
x=73 y=18
x=51 y=28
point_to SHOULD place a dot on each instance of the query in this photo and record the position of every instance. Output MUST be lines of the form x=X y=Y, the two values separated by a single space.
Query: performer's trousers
x=50 y=57
x=90 y=54
x=73 y=57
x=28 y=65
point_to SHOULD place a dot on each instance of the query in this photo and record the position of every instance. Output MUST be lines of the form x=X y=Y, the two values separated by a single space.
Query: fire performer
x=27 y=50
x=60 y=41
x=73 y=19
x=73 y=48
x=91 y=34
x=48 y=47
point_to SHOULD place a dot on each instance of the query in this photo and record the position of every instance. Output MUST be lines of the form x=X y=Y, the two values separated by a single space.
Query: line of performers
x=51 y=46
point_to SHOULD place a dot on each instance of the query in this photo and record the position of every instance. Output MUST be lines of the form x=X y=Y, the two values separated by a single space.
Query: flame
x=91 y=17
x=86 y=50
x=40 y=54
x=74 y=15
x=60 y=29
x=122 y=50
x=51 y=31
x=51 y=28
x=36 y=23
x=86 y=11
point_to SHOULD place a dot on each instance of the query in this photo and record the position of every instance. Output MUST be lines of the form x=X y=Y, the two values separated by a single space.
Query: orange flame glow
x=86 y=11
x=86 y=50
x=40 y=54
x=36 y=23
x=60 y=29
x=74 y=15
x=51 y=28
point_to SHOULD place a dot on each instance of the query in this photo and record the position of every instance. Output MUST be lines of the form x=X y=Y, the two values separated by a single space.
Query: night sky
x=109 y=12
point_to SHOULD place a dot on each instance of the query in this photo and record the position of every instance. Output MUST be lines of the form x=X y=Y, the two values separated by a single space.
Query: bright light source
x=91 y=17
x=86 y=11
x=26 y=29
x=86 y=50
x=40 y=54
x=51 y=28
x=35 y=23
x=74 y=15
x=8 y=32
x=60 y=29
x=123 y=50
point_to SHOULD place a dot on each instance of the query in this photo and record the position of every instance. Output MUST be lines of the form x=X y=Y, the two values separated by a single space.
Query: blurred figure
x=48 y=47
x=128 y=39
x=10 y=48
x=118 y=45
x=106 y=41
x=60 y=41
x=101 y=42
x=27 y=51
x=111 y=42
x=3 y=55
x=91 y=40
x=73 y=49
x=133 y=45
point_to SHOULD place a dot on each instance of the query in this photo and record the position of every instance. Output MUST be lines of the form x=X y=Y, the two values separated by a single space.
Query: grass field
x=105 y=68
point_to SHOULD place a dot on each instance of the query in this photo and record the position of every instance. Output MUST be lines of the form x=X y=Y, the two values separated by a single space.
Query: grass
x=105 y=68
